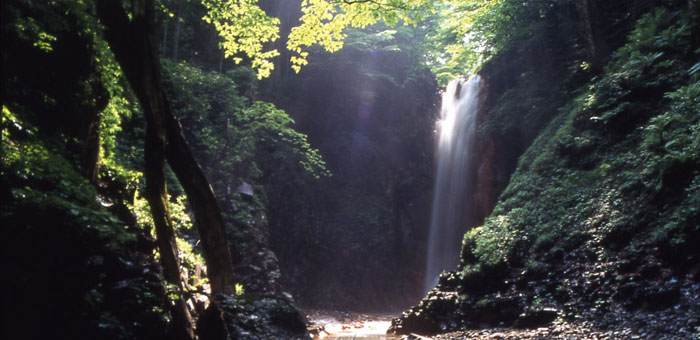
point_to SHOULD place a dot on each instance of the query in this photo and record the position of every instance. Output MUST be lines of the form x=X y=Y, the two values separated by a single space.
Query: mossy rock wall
x=601 y=218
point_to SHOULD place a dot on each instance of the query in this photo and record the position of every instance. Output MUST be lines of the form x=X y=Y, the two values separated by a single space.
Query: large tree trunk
x=695 y=32
x=179 y=7
x=132 y=43
x=156 y=194
x=91 y=154
x=164 y=46
x=134 y=46
x=583 y=8
x=596 y=47
x=206 y=210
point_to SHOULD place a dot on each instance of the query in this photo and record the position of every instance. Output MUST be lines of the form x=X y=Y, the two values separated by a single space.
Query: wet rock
x=255 y=265
x=245 y=189
x=496 y=311
x=474 y=281
x=414 y=337
x=436 y=313
x=650 y=272
x=257 y=269
x=259 y=273
x=660 y=298
x=448 y=281
x=288 y=296
x=616 y=295
x=536 y=319
x=417 y=321
x=483 y=279
x=316 y=330
x=251 y=318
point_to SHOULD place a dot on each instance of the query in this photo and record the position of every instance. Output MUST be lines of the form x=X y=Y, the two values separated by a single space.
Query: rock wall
x=598 y=223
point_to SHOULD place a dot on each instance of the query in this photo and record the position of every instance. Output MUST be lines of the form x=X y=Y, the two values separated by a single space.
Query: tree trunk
x=596 y=46
x=133 y=45
x=156 y=194
x=221 y=62
x=164 y=47
x=695 y=32
x=91 y=155
x=583 y=9
x=178 y=25
x=206 y=210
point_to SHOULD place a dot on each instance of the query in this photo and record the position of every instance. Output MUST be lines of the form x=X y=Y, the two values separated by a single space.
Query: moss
x=618 y=166
x=75 y=255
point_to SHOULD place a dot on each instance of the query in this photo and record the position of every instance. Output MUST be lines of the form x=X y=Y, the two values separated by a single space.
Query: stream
x=333 y=325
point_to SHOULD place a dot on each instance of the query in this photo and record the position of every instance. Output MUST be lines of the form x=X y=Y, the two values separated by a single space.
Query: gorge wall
x=598 y=221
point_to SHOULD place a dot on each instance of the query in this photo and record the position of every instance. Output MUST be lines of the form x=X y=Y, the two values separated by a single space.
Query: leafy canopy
x=460 y=35
x=245 y=28
x=324 y=22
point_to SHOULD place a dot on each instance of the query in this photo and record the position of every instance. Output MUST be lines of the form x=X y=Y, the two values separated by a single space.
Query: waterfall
x=452 y=209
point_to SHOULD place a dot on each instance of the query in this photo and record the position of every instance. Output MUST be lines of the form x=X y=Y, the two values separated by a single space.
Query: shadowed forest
x=350 y=169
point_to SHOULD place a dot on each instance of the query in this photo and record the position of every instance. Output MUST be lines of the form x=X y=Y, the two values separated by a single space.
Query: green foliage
x=324 y=22
x=31 y=30
x=463 y=35
x=27 y=161
x=79 y=86
x=675 y=134
x=244 y=28
x=227 y=132
x=189 y=255
x=238 y=142
x=648 y=62
x=583 y=188
x=493 y=247
x=265 y=123
x=122 y=106
x=120 y=126
x=456 y=45
x=680 y=225
x=239 y=289
x=82 y=252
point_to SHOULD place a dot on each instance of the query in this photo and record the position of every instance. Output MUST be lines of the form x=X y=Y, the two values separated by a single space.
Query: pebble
x=564 y=330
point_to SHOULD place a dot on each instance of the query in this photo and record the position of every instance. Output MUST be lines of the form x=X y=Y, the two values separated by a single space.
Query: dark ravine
x=587 y=178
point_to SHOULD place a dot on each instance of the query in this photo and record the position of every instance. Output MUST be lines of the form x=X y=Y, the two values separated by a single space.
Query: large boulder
x=251 y=318
x=436 y=313
x=451 y=306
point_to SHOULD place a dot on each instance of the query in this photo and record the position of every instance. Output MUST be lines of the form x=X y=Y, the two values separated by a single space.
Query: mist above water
x=451 y=209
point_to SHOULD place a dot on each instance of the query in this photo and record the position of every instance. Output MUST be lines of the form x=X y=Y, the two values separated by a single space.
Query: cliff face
x=369 y=109
x=600 y=219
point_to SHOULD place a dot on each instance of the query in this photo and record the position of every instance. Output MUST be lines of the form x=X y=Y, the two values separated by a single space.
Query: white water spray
x=452 y=208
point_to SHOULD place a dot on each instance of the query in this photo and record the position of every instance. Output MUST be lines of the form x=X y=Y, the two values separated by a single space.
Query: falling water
x=453 y=183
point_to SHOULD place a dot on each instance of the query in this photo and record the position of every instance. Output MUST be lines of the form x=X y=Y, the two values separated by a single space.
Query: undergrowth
x=619 y=166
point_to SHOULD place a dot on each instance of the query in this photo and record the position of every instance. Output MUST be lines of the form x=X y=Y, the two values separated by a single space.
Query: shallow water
x=348 y=326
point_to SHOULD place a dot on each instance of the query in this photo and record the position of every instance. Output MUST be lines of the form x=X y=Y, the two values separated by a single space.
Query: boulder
x=436 y=313
x=251 y=318
x=536 y=318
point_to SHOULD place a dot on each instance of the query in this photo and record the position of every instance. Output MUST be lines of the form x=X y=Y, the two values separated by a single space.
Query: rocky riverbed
x=562 y=330
x=344 y=325
x=629 y=326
